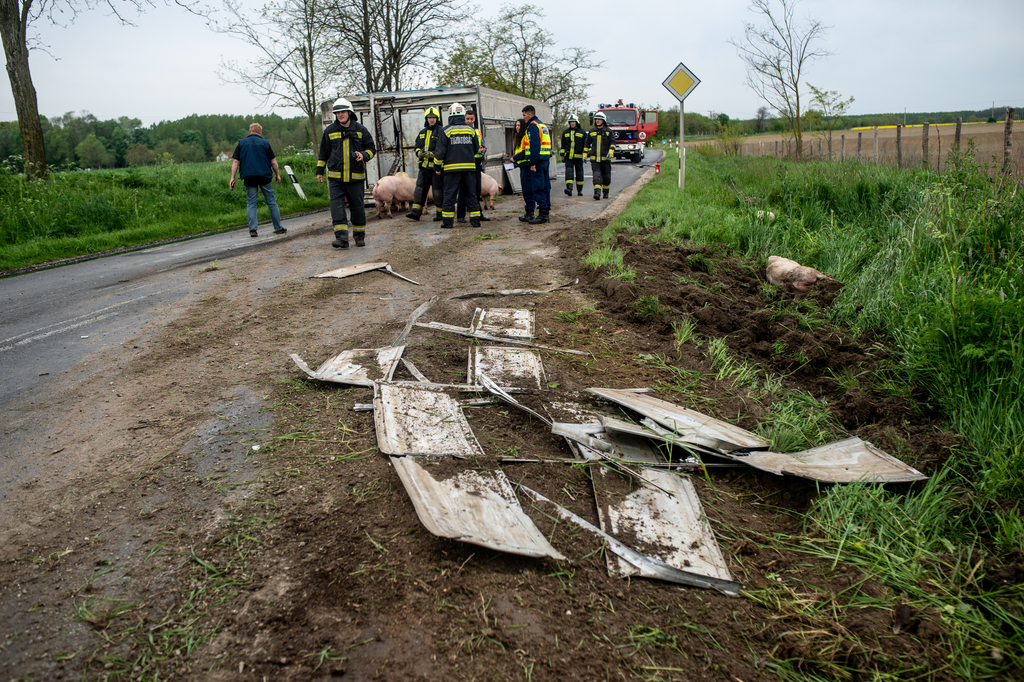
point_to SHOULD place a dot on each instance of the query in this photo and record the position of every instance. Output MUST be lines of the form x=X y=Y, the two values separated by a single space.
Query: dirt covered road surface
x=200 y=509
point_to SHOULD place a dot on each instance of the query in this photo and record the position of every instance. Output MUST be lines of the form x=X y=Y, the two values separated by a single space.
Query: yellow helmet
x=432 y=111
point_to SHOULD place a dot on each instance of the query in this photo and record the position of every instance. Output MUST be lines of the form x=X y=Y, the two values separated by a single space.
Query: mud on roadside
x=203 y=557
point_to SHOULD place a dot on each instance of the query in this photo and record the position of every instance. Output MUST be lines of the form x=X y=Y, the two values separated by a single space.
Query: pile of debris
x=657 y=530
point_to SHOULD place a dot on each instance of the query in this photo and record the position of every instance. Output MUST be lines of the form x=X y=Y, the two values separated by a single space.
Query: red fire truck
x=631 y=128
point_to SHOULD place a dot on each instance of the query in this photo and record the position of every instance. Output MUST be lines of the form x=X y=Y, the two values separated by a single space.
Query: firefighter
x=345 y=149
x=426 y=143
x=460 y=210
x=455 y=158
x=600 y=147
x=573 y=140
x=535 y=150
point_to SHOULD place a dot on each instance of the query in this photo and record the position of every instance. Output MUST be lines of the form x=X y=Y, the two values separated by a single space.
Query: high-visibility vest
x=545 y=140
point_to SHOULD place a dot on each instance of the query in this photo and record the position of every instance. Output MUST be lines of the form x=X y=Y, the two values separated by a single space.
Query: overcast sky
x=918 y=55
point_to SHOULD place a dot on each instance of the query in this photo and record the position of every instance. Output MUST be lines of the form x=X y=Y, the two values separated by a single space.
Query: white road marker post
x=295 y=181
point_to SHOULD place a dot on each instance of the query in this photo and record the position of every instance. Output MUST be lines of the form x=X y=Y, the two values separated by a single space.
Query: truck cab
x=630 y=127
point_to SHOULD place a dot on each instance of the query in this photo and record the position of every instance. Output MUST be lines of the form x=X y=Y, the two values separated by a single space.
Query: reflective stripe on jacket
x=600 y=144
x=457 y=146
x=427 y=141
x=536 y=144
x=338 y=149
x=573 y=142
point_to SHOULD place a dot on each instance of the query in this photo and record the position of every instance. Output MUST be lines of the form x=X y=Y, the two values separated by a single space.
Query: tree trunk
x=13 y=24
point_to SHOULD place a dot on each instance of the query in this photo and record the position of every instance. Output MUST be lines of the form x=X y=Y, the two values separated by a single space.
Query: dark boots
x=568 y=191
x=527 y=217
x=597 y=194
x=413 y=214
x=540 y=219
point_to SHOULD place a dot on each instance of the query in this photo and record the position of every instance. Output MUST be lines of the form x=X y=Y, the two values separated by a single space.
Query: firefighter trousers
x=602 y=171
x=352 y=193
x=460 y=206
x=455 y=183
x=574 y=172
x=427 y=179
x=542 y=186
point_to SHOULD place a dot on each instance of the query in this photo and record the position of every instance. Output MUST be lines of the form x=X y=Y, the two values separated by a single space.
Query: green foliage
x=648 y=309
x=77 y=213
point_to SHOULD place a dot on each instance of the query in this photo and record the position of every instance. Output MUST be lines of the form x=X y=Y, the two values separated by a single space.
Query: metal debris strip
x=492 y=387
x=513 y=292
x=350 y=270
x=516 y=323
x=647 y=567
x=440 y=326
x=688 y=425
x=424 y=307
x=844 y=461
x=587 y=446
x=415 y=372
x=416 y=418
x=673 y=530
x=476 y=507
x=649 y=429
x=506 y=366
x=356 y=367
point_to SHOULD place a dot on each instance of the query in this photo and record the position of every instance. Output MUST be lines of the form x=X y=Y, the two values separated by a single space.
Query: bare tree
x=832 y=107
x=386 y=42
x=515 y=54
x=16 y=19
x=776 y=55
x=293 y=69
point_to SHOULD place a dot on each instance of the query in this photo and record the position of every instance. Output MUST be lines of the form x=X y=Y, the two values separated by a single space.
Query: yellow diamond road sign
x=681 y=82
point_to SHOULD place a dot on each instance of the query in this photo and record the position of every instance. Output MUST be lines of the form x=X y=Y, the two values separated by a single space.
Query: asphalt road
x=53 y=319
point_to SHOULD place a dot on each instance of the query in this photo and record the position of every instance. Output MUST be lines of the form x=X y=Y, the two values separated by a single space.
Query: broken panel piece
x=413 y=418
x=515 y=323
x=476 y=507
x=844 y=461
x=505 y=366
x=356 y=367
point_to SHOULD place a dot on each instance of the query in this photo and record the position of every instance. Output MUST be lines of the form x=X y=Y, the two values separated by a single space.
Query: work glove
x=419 y=154
x=430 y=155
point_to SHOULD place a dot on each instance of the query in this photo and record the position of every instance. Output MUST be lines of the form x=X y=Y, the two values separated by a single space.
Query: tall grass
x=936 y=261
x=83 y=212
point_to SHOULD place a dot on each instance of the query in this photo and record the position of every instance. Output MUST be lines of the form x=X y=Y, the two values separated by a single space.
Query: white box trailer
x=396 y=118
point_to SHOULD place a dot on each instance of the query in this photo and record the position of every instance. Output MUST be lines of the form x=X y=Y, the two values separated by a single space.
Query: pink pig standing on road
x=393 y=190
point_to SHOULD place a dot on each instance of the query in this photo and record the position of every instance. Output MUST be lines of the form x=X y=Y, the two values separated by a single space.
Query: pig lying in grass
x=789 y=275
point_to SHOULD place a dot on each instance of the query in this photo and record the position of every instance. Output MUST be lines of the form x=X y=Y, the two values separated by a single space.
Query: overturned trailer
x=396 y=118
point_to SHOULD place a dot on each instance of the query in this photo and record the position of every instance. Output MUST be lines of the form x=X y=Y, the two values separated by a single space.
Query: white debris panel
x=516 y=367
x=476 y=507
x=413 y=418
x=844 y=461
x=515 y=323
x=356 y=367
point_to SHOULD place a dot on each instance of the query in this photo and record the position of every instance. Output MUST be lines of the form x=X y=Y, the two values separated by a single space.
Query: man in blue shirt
x=259 y=166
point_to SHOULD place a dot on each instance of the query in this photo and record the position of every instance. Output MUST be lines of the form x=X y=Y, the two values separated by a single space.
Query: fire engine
x=630 y=127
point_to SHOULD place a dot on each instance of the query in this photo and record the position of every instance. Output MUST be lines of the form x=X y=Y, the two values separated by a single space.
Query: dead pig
x=789 y=275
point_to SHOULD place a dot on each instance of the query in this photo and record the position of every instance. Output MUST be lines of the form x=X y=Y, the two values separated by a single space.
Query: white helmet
x=342 y=104
x=574 y=118
x=456 y=109
x=601 y=115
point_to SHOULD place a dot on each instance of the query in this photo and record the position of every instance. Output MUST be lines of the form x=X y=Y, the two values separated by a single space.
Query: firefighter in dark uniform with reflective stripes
x=573 y=141
x=426 y=143
x=455 y=156
x=600 y=148
x=345 y=149
x=535 y=150
x=460 y=207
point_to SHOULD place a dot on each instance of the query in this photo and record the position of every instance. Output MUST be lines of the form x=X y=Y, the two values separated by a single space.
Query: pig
x=791 y=276
x=393 y=189
x=489 y=187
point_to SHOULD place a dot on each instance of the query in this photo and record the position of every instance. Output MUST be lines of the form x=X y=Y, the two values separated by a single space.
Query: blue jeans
x=250 y=205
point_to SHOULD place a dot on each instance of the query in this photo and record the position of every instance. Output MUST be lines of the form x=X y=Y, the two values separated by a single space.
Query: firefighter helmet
x=456 y=109
x=342 y=104
x=601 y=115
x=574 y=118
x=432 y=111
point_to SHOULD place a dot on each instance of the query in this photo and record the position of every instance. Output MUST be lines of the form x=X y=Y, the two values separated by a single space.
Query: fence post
x=830 y=145
x=1008 y=138
x=776 y=149
x=859 y=136
x=959 y=123
x=899 y=146
x=924 y=146
x=842 y=148
x=819 y=149
x=876 y=145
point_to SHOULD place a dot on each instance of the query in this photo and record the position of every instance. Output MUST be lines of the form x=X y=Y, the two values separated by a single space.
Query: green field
x=82 y=212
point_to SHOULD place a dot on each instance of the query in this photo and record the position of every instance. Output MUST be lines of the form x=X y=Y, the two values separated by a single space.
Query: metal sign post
x=681 y=83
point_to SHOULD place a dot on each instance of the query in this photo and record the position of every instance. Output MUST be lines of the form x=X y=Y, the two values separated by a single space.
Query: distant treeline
x=83 y=141
x=698 y=124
